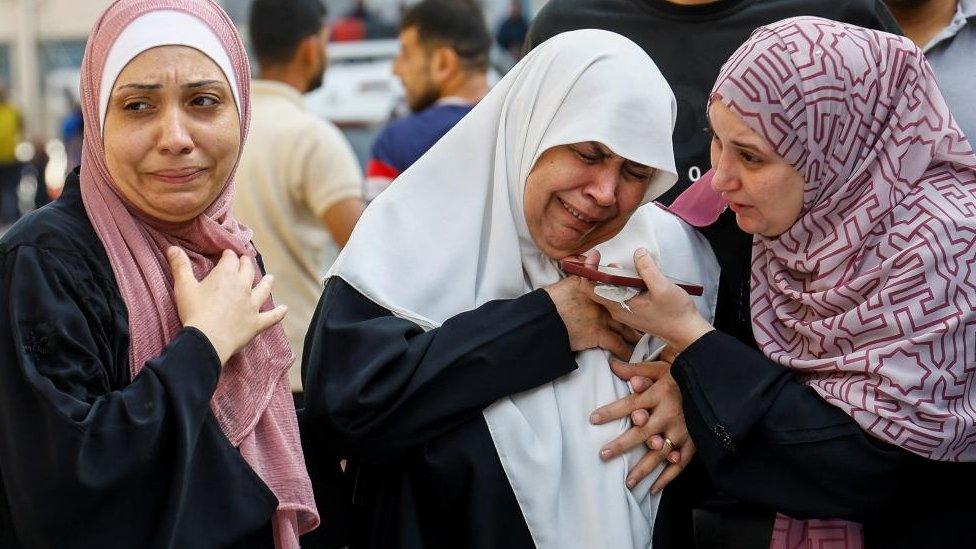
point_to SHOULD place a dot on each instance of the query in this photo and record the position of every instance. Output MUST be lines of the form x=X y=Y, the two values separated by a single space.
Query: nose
x=725 y=177
x=398 y=66
x=603 y=188
x=174 y=136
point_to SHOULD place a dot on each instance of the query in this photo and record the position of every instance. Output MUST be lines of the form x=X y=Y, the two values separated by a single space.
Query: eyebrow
x=747 y=146
x=600 y=147
x=151 y=87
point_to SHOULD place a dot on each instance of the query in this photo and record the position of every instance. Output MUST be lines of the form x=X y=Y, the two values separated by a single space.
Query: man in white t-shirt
x=298 y=184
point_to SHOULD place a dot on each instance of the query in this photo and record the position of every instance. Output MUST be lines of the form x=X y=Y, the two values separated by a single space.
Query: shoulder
x=565 y=15
x=392 y=138
x=323 y=130
x=398 y=128
x=62 y=234
x=444 y=114
x=871 y=14
x=418 y=128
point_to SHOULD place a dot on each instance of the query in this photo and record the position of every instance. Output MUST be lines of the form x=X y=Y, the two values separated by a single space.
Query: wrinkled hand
x=656 y=403
x=224 y=305
x=664 y=310
x=589 y=325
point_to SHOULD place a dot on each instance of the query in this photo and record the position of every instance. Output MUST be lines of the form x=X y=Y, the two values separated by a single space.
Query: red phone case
x=580 y=269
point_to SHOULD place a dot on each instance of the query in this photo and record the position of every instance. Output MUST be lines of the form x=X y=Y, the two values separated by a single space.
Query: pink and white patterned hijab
x=252 y=402
x=872 y=292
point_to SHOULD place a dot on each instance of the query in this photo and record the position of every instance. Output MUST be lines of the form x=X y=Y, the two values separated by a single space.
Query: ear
x=309 y=50
x=444 y=64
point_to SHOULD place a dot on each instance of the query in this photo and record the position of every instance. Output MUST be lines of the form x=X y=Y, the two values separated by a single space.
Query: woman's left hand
x=664 y=310
x=664 y=430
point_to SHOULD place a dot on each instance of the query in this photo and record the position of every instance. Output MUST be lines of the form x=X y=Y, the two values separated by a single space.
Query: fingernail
x=631 y=483
x=641 y=252
x=595 y=418
x=655 y=490
x=606 y=453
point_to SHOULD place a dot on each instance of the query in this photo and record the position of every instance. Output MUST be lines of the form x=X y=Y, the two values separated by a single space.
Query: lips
x=178 y=175
x=577 y=214
x=738 y=207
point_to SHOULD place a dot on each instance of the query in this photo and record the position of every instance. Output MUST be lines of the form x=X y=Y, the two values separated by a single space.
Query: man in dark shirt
x=689 y=40
x=443 y=65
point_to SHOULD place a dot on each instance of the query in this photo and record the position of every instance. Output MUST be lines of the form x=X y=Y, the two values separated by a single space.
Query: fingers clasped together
x=655 y=408
x=657 y=420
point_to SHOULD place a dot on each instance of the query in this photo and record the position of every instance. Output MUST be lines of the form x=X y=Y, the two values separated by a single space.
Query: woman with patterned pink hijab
x=838 y=385
x=144 y=398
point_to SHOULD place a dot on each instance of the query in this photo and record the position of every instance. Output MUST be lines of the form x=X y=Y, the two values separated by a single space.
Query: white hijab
x=450 y=234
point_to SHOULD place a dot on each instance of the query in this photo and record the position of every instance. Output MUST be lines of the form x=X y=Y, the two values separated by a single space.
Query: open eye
x=136 y=105
x=204 y=101
x=749 y=158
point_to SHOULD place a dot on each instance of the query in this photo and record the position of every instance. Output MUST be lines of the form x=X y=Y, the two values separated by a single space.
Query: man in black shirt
x=689 y=40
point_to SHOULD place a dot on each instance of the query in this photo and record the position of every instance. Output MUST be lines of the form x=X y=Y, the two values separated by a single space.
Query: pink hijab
x=252 y=402
x=872 y=292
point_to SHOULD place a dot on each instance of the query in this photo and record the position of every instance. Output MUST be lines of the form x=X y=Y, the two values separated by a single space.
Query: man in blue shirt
x=946 y=32
x=443 y=64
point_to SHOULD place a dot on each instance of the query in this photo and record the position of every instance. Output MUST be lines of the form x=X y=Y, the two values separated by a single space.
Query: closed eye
x=587 y=158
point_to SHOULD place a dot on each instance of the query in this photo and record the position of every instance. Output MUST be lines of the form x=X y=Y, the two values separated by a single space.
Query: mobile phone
x=618 y=276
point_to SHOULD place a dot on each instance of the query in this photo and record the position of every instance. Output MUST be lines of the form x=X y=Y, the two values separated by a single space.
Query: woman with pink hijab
x=839 y=378
x=144 y=396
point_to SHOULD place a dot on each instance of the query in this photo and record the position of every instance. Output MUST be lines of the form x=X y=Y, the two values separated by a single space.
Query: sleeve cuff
x=189 y=364
x=728 y=385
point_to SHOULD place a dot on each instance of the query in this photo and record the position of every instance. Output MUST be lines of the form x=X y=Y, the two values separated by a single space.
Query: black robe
x=767 y=439
x=89 y=458
x=405 y=407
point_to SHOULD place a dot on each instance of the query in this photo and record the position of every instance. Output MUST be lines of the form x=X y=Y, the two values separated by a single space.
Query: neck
x=285 y=75
x=921 y=22
x=469 y=87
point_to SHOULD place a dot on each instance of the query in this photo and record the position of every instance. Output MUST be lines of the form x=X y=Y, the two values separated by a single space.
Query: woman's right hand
x=589 y=325
x=224 y=305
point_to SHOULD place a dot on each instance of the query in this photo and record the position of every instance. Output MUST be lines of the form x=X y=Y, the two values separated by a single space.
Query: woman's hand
x=223 y=305
x=589 y=325
x=664 y=310
x=657 y=402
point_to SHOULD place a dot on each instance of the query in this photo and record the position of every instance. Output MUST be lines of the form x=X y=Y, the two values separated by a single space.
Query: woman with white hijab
x=452 y=363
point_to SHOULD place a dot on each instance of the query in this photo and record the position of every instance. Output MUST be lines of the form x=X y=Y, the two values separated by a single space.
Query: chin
x=748 y=225
x=178 y=208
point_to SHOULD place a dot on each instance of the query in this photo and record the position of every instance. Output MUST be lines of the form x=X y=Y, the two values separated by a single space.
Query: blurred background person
x=73 y=131
x=11 y=126
x=443 y=65
x=299 y=185
x=512 y=31
x=360 y=24
x=946 y=32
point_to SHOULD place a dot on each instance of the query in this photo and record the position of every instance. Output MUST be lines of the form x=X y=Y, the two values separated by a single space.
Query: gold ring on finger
x=669 y=446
